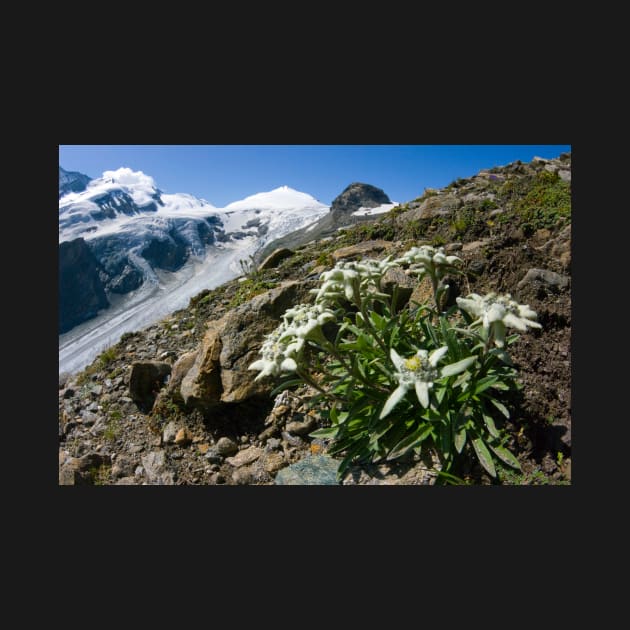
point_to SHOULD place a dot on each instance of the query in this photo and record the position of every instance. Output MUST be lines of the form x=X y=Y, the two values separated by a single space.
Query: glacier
x=125 y=211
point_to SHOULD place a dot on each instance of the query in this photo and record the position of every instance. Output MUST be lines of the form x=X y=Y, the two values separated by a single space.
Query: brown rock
x=220 y=371
x=202 y=384
x=274 y=462
x=183 y=438
x=275 y=258
x=203 y=448
x=361 y=250
x=244 y=457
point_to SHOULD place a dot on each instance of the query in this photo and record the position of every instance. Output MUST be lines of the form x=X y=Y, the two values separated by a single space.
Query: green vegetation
x=100 y=475
x=249 y=289
x=394 y=382
x=543 y=201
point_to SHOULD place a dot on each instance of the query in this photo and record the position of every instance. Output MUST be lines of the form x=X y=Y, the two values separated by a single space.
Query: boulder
x=219 y=373
x=275 y=258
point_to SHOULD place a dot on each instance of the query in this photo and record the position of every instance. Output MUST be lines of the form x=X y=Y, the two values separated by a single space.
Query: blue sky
x=221 y=174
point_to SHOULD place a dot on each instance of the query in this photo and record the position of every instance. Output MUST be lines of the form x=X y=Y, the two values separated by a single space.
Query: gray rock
x=273 y=444
x=226 y=447
x=565 y=175
x=310 y=471
x=213 y=456
x=88 y=417
x=476 y=266
x=96 y=390
x=396 y=278
x=169 y=433
x=93 y=406
x=154 y=465
x=550 y=279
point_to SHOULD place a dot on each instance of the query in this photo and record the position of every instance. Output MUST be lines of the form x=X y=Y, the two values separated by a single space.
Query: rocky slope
x=175 y=404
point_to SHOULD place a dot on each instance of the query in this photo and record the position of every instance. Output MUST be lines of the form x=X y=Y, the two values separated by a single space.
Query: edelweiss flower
x=419 y=372
x=495 y=312
x=304 y=321
x=275 y=355
x=427 y=258
x=353 y=280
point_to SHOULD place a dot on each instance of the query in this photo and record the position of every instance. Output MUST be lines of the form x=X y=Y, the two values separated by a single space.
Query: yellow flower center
x=413 y=363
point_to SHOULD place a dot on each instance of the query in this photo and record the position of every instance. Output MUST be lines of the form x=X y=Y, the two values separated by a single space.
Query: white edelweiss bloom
x=275 y=354
x=495 y=312
x=418 y=371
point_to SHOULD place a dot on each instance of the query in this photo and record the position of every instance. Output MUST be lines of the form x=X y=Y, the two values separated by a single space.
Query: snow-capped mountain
x=149 y=251
x=71 y=181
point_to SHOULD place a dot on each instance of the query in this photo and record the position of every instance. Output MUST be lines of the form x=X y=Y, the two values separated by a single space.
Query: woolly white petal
x=396 y=396
x=288 y=365
x=516 y=322
x=422 y=391
x=436 y=355
x=396 y=359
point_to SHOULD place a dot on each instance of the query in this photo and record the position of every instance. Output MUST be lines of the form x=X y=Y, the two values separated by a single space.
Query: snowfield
x=127 y=203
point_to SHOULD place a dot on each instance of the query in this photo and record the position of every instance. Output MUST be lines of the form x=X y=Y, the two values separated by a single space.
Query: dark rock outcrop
x=81 y=291
x=353 y=197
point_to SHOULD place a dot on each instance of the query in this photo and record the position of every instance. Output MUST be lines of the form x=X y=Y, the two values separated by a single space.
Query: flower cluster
x=428 y=259
x=352 y=280
x=419 y=372
x=282 y=346
x=495 y=312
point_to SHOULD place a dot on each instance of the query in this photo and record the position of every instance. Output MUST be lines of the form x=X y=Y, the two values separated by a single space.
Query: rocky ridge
x=175 y=404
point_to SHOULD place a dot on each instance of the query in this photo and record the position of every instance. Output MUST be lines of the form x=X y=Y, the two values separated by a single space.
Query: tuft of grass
x=249 y=289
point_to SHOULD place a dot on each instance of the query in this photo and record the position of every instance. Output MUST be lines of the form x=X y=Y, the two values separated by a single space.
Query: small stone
x=96 y=390
x=213 y=456
x=170 y=432
x=280 y=410
x=312 y=470
x=225 y=446
x=136 y=448
x=274 y=462
x=138 y=471
x=183 y=437
x=273 y=443
x=242 y=476
x=203 y=448
x=68 y=393
x=301 y=428
x=244 y=457
x=93 y=406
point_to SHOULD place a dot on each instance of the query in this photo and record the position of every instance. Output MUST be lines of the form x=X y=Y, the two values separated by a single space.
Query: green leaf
x=410 y=441
x=456 y=368
x=460 y=439
x=483 y=455
x=484 y=383
x=491 y=426
x=501 y=407
x=502 y=355
x=505 y=455
x=330 y=432
x=286 y=385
